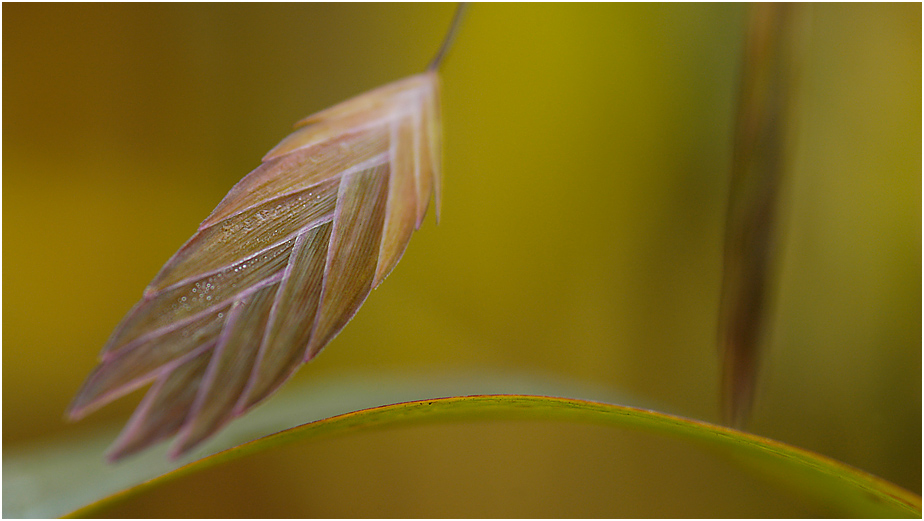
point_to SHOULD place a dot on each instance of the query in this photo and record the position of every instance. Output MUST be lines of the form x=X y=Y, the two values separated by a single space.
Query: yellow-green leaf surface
x=493 y=432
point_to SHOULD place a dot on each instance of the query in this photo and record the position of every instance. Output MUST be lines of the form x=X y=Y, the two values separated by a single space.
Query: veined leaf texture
x=278 y=268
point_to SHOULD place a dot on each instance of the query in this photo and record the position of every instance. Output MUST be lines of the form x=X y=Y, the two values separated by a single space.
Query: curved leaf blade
x=278 y=268
x=45 y=478
x=859 y=493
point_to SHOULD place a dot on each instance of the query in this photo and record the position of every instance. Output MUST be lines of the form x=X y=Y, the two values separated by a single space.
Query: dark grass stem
x=762 y=143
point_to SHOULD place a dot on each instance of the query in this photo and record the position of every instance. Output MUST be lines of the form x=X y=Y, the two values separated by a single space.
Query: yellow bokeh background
x=587 y=152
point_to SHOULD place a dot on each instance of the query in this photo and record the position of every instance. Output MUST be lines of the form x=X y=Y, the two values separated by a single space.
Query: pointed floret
x=277 y=270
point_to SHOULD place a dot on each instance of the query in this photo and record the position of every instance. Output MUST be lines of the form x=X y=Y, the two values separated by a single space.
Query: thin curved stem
x=450 y=37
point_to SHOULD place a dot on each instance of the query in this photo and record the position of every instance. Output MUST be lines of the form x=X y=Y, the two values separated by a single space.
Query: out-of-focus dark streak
x=759 y=161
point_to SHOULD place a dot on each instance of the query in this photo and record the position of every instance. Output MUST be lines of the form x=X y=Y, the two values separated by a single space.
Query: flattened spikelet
x=277 y=270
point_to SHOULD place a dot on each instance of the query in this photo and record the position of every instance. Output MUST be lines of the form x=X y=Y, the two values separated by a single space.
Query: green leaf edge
x=520 y=407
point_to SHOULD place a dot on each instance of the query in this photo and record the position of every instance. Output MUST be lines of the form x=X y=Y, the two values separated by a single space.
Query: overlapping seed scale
x=171 y=306
x=372 y=100
x=353 y=253
x=138 y=363
x=333 y=133
x=302 y=169
x=293 y=315
x=431 y=157
x=248 y=233
x=230 y=368
x=401 y=213
x=369 y=110
x=164 y=408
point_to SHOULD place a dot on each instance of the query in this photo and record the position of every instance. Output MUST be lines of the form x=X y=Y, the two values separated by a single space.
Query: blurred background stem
x=762 y=146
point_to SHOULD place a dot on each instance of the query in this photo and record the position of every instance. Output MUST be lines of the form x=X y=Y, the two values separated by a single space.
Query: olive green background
x=586 y=157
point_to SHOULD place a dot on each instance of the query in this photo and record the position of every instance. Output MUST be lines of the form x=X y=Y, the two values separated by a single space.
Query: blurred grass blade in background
x=759 y=163
x=278 y=268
